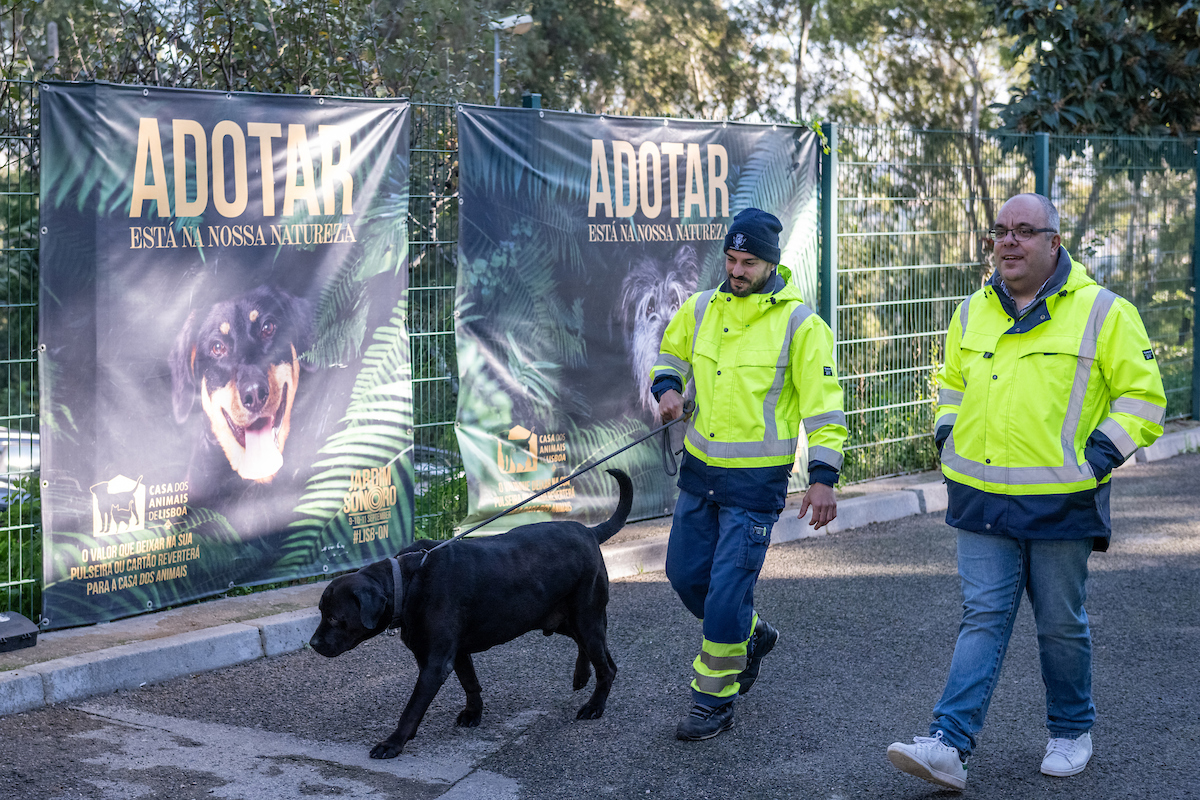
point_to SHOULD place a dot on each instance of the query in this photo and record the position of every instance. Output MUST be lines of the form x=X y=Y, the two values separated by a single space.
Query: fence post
x=1196 y=292
x=1041 y=164
x=829 y=228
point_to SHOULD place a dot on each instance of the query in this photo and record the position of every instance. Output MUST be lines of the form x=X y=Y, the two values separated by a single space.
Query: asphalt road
x=868 y=619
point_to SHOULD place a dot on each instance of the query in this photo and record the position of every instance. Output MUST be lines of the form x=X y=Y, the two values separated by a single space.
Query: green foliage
x=575 y=54
x=1104 y=66
x=692 y=58
x=21 y=548
x=437 y=48
x=922 y=63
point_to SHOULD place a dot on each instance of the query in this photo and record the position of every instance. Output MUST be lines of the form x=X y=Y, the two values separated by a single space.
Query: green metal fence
x=1128 y=209
x=433 y=264
x=20 y=511
x=906 y=211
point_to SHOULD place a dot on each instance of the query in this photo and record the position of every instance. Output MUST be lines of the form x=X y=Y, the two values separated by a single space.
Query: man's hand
x=823 y=502
x=670 y=405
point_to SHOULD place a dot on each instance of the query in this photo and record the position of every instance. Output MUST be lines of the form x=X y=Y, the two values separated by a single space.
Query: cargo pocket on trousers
x=754 y=545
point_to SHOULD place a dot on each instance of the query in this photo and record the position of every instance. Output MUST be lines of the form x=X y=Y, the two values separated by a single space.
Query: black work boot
x=761 y=643
x=705 y=722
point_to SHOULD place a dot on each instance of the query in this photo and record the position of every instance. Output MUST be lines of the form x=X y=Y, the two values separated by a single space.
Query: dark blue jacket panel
x=1078 y=515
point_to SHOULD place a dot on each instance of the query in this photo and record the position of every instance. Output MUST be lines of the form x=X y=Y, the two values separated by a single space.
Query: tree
x=1104 y=66
x=439 y=49
x=575 y=53
x=920 y=63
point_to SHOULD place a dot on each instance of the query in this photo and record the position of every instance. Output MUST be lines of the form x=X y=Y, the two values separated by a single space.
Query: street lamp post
x=518 y=24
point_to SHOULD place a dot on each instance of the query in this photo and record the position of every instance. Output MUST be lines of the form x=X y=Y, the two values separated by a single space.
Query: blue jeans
x=995 y=570
x=714 y=555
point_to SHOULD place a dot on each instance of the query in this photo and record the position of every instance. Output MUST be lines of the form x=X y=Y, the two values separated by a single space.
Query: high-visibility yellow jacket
x=762 y=366
x=1034 y=412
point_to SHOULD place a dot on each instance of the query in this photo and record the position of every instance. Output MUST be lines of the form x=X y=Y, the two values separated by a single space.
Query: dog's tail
x=605 y=530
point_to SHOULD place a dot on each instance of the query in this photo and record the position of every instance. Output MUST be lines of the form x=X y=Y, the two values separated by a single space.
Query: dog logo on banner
x=118 y=506
x=520 y=461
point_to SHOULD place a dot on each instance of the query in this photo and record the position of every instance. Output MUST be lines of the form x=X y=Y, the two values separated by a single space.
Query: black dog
x=242 y=359
x=474 y=594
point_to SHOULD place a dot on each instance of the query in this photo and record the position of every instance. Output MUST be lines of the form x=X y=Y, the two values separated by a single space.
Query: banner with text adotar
x=580 y=236
x=225 y=390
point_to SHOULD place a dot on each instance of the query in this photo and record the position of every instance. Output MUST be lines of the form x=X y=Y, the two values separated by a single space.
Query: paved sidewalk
x=73 y=664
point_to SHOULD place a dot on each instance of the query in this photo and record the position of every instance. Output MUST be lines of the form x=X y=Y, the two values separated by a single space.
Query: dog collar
x=396 y=588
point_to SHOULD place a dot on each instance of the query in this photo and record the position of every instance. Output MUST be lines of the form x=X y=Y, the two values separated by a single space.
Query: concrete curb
x=131 y=665
x=128 y=666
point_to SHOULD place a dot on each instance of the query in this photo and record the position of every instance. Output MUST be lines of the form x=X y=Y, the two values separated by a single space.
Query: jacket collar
x=1056 y=283
x=777 y=287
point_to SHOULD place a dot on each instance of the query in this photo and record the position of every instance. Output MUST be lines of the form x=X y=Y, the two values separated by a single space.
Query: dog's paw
x=469 y=717
x=591 y=711
x=387 y=749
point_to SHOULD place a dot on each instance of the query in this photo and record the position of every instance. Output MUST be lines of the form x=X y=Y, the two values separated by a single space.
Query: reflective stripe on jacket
x=762 y=366
x=1024 y=400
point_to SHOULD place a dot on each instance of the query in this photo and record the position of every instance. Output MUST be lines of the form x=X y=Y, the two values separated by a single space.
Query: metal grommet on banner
x=45 y=230
x=228 y=96
x=320 y=101
x=145 y=92
x=325 y=568
x=541 y=113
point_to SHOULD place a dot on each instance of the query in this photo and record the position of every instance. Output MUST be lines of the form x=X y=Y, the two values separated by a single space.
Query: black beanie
x=755 y=232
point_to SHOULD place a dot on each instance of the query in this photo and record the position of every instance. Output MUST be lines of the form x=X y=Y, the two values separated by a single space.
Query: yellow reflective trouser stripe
x=721 y=663
x=718 y=686
x=715 y=670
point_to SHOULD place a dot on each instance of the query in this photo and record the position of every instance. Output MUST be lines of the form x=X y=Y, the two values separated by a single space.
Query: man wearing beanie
x=761 y=364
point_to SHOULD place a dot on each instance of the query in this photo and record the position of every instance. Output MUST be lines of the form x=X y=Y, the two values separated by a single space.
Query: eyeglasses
x=1022 y=233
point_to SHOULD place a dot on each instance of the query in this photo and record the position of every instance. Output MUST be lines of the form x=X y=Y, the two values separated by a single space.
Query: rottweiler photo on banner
x=580 y=236
x=225 y=387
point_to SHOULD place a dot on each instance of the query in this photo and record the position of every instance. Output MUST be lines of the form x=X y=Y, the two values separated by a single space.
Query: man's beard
x=753 y=288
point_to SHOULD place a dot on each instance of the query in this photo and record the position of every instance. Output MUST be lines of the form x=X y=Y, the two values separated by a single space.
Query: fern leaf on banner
x=375 y=431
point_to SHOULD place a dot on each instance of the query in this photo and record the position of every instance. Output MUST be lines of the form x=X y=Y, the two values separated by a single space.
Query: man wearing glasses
x=1050 y=382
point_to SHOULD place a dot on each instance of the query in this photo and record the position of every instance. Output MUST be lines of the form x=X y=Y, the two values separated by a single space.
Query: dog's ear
x=301 y=312
x=183 y=375
x=374 y=606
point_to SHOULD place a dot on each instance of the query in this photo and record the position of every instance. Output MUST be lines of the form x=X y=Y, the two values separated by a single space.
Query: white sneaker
x=1066 y=757
x=931 y=759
